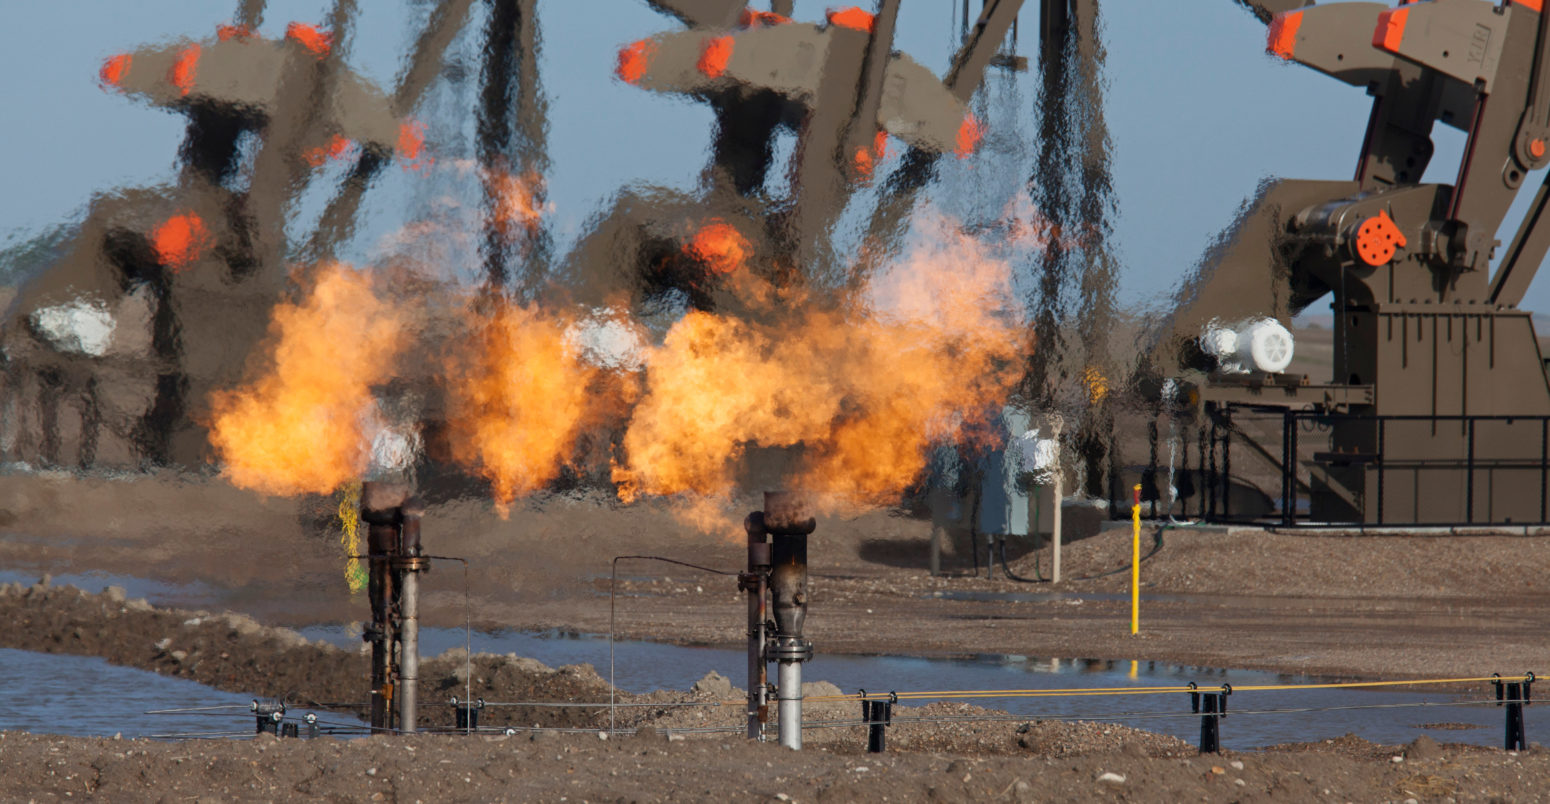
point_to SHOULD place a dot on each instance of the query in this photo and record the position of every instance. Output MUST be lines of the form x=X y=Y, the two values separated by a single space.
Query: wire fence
x=1511 y=693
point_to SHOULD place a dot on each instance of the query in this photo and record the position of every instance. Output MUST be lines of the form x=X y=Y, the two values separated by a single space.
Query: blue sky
x=1197 y=111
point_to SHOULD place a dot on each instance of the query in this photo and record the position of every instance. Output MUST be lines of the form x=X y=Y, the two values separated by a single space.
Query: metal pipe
x=756 y=583
x=789 y=520
x=381 y=509
x=409 y=614
x=789 y=683
x=409 y=660
x=379 y=540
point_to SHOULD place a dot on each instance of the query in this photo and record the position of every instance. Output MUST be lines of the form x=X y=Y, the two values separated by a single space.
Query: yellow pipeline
x=1167 y=690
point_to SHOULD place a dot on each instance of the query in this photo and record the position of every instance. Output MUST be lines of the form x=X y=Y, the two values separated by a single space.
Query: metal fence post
x=1517 y=695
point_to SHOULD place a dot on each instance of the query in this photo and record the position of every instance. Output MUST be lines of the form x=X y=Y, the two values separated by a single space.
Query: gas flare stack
x=395 y=561
x=776 y=581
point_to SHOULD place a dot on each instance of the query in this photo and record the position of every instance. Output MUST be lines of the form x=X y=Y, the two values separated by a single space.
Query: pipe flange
x=409 y=563
x=790 y=650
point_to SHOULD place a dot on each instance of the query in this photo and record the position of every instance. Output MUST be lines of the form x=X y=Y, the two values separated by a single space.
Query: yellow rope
x=1264 y=687
x=1090 y=691
x=350 y=536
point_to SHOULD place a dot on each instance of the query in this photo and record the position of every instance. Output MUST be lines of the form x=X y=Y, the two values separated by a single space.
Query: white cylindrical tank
x=1258 y=344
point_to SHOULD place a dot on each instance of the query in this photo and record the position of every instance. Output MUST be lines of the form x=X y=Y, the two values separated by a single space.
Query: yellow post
x=1135 y=562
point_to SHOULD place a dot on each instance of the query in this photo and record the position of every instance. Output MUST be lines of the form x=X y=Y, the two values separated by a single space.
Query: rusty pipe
x=755 y=582
x=381 y=510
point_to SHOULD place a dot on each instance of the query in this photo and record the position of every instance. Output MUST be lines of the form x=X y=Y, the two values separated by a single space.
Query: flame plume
x=301 y=424
x=516 y=399
x=865 y=393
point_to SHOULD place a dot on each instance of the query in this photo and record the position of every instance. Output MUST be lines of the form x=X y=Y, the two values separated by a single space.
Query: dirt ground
x=1390 y=606
x=650 y=767
x=663 y=752
x=1372 y=606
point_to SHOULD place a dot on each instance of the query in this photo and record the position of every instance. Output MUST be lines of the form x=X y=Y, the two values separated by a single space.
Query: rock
x=179 y=655
x=115 y=594
x=162 y=644
x=602 y=735
x=290 y=639
x=531 y=667
x=1423 y=748
x=715 y=685
x=583 y=672
x=139 y=604
x=45 y=580
x=820 y=689
x=242 y=624
x=191 y=622
x=1396 y=759
x=1111 y=778
x=1236 y=764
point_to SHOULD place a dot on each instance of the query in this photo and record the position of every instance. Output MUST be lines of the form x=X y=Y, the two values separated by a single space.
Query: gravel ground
x=668 y=755
x=1392 y=605
x=651 y=767
x=1386 y=606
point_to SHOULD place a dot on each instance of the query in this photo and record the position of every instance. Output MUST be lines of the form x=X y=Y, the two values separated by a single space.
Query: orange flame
x=864 y=395
x=517 y=400
x=301 y=424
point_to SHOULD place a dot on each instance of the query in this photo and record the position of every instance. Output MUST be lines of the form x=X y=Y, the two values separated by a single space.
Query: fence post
x=1212 y=707
x=1517 y=694
x=877 y=715
x=466 y=713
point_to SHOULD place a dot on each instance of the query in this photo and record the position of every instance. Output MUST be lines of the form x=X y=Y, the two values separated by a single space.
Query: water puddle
x=981 y=596
x=85 y=696
x=1255 y=718
x=46 y=692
